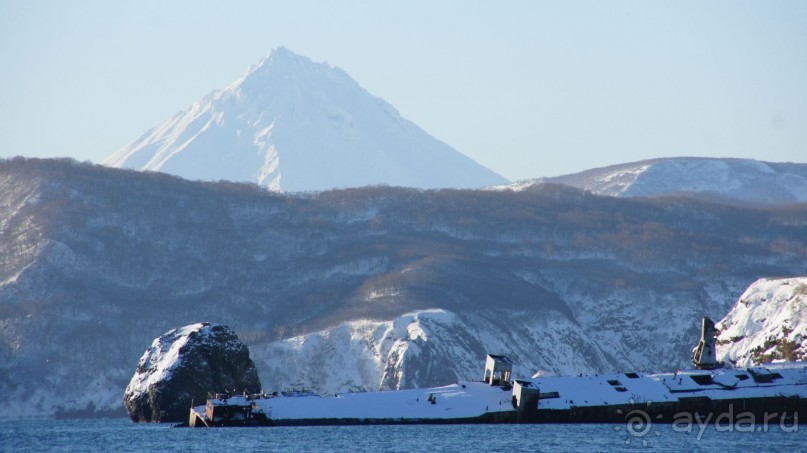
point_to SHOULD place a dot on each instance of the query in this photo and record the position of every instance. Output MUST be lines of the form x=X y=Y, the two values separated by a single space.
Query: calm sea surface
x=122 y=435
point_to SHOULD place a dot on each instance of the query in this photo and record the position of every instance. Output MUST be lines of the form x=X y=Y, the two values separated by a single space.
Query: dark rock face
x=182 y=366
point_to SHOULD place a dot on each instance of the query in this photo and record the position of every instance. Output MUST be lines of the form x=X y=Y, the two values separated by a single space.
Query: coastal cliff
x=768 y=323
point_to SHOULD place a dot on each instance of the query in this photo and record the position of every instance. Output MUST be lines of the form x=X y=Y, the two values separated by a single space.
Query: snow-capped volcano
x=735 y=179
x=291 y=124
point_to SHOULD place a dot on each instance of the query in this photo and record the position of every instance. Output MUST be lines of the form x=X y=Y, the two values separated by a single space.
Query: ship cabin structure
x=498 y=369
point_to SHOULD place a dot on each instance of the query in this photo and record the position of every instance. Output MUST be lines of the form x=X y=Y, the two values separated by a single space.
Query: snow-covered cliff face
x=294 y=125
x=743 y=180
x=769 y=323
x=435 y=347
x=97 y=262
x=427 y=348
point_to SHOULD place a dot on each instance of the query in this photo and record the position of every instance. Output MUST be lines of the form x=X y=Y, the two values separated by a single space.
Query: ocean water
x=122 y=435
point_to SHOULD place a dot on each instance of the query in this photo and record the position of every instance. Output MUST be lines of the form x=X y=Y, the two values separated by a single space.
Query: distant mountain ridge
x=290 y=124
x=744 y=180
x=396 y=287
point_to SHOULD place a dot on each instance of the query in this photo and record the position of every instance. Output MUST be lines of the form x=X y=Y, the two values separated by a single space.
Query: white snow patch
x=160 y=359
x=769 y=311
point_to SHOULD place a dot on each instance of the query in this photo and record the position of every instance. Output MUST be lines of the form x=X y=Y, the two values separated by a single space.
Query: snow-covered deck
x=465 y=400
x=637 y=388
x=479 y=401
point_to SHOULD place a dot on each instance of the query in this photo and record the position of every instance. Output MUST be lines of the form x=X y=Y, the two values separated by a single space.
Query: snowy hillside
x=364 y=288
x=423 y=348
x=294 y=125
x=768 y=323
x=733 y=179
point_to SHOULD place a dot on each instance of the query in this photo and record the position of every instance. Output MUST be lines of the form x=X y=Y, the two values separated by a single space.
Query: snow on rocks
x=362 y=355
x=182 y=366
x=424 y=348
x=768 y=323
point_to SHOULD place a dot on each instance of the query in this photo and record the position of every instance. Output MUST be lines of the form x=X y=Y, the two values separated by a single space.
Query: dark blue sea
x=122 y=435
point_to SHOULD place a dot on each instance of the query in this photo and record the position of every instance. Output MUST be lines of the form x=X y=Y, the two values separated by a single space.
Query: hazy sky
x=527 y=88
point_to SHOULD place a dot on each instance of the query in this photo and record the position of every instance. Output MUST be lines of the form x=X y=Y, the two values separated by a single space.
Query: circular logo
x=638 y=423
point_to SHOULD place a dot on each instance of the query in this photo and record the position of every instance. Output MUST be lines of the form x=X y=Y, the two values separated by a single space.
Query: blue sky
x=527 y=88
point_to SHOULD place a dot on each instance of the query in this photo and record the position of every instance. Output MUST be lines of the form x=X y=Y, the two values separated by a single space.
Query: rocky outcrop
x=182 y=366
x=768 y=323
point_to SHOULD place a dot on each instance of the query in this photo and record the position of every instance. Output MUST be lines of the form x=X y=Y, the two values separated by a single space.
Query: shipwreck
x=773 y=392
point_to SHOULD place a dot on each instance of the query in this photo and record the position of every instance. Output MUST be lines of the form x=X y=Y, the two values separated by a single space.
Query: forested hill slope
x=95 y=262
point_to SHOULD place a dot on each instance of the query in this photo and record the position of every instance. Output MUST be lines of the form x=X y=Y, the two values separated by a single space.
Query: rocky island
x=182 y=366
